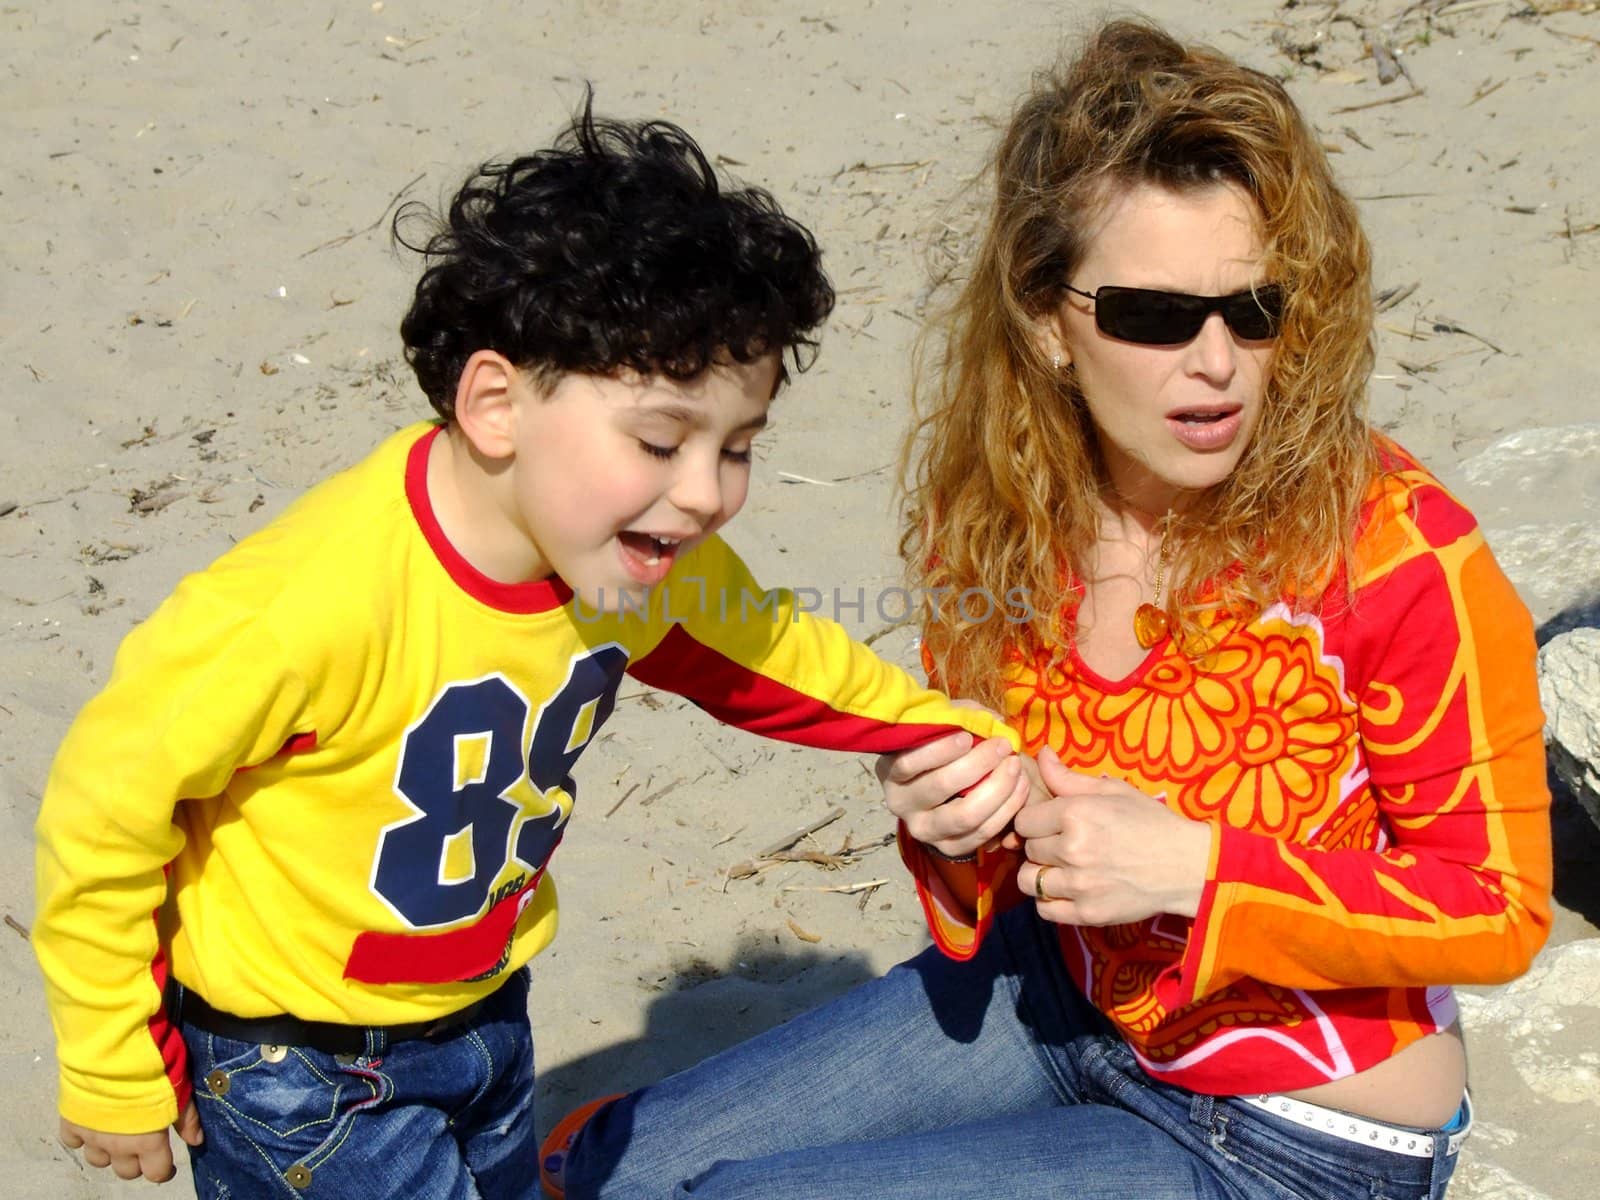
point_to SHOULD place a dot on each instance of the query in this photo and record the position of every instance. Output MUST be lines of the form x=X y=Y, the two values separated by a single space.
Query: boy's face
x=614 y=478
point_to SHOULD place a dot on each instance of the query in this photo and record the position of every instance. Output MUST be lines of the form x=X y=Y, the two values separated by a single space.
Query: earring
x=1055 y=361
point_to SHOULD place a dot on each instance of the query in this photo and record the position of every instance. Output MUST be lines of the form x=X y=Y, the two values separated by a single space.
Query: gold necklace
x=1150 y=620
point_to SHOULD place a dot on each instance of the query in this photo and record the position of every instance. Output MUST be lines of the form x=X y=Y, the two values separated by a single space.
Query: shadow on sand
x=703 y=1008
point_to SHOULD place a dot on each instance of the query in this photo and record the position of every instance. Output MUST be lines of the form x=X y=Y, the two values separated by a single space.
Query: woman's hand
x=1101 y=852
x=921 y=788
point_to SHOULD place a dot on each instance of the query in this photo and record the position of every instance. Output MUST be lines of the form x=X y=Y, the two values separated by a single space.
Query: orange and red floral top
x=1375 y=775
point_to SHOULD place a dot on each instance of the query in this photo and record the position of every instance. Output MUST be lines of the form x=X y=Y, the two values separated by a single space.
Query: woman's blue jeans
x=447 y=1117
x=965 y=1081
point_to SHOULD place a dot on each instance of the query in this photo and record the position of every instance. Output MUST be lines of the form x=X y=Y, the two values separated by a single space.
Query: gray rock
x=1536 y=492
x=1532 y=1048
x=1569 y=690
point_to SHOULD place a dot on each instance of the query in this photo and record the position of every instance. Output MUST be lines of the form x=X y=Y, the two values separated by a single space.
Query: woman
x=1282 y=699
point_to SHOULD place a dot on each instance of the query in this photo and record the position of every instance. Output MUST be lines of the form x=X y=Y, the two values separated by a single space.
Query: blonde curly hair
x=1002 y=471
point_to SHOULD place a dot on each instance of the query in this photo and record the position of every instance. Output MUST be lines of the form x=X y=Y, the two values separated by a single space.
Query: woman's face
x=1170 y=419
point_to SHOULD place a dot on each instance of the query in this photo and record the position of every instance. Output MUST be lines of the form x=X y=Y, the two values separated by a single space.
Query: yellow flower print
x=1179 y=722
x=1298 y=742
x=1043 y=703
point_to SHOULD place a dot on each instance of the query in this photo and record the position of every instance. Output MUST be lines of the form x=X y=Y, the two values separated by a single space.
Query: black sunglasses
x=1153 y=318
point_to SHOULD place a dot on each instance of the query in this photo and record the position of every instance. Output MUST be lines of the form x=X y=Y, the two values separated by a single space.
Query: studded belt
x=1331 y=1121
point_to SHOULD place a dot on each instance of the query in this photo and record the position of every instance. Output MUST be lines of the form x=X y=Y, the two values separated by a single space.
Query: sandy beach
x=201 y=304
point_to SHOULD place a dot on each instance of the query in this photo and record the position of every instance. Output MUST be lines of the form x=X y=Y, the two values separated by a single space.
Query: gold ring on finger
x=1038 y=885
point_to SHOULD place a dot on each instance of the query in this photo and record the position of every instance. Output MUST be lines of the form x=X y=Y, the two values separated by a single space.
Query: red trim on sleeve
x=539 y=595
x=298 y=743
x=739 y=696
x=167 y=1037
x=465 y=953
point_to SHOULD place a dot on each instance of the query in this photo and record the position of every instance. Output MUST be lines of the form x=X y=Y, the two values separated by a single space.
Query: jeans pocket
x=285 y=1108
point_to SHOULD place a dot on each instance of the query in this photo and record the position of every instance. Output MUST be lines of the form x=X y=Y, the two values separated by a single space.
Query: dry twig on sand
x=780 y=852
x=843 y=889
x=828 y=818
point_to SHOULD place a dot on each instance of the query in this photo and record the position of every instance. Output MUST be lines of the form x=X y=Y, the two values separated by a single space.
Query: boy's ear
x=485 y=408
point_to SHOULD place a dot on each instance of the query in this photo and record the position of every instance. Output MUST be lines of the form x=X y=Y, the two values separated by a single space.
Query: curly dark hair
x=616 y=248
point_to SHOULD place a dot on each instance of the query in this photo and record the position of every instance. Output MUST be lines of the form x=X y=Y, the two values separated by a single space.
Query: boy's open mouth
x=646 y=557
x=649 y=548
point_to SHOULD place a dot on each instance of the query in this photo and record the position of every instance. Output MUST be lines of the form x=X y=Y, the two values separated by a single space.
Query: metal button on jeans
x=218 y=1082
x=274 y=1054
x=299 y=1177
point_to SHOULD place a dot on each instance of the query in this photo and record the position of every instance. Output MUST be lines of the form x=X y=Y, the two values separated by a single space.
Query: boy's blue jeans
x=447 y=1117
x=974 y=1081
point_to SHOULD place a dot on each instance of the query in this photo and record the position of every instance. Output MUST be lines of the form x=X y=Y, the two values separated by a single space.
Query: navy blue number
x=409 y=871
x=564 y=726
x=409 y=874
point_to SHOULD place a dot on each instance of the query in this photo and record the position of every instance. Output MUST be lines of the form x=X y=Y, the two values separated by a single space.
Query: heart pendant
x=1150 y=625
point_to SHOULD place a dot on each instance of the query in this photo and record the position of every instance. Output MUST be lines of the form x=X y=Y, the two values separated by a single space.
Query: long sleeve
x=1453 y=884
x=755 y=660
x=957 y=929
x=179 y=715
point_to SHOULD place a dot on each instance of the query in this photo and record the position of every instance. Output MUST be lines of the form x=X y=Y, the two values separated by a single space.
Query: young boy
x=291 y=860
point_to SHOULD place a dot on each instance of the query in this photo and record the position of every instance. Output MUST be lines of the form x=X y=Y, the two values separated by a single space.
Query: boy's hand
x=130 y=1155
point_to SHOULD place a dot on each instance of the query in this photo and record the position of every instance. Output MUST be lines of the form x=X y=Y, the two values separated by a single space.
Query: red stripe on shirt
x=739 y=696
x=167 y=1036
x=449 y=957
x=299 y=743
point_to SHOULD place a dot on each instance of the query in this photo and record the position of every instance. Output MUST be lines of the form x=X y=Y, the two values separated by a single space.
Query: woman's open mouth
x=1206 y=428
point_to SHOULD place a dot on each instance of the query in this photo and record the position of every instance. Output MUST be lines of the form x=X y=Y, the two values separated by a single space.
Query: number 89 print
x=461 y=768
